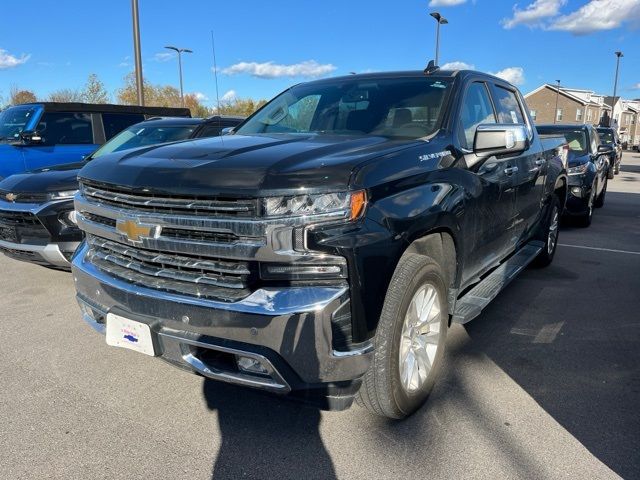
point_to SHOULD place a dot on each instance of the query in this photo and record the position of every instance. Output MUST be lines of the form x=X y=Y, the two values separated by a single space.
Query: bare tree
x=65 y=95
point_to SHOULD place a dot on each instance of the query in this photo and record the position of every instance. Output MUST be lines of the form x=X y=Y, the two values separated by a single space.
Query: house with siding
x=574 y=105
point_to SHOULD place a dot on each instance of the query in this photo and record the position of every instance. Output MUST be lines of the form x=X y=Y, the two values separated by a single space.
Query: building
x=573 y=105
x=578 y=106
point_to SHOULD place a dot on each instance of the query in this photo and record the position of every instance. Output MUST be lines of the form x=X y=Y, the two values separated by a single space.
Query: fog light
x=251 y=365
x=576 y=191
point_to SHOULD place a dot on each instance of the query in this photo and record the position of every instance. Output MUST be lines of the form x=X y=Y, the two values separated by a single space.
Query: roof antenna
x=431 y=67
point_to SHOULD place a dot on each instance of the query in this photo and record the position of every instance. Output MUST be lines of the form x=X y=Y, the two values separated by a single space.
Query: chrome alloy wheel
x=420 y=338
x=553 y=231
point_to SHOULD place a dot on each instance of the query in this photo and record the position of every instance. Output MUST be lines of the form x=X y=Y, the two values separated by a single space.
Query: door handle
x=540 y=161
x=510 y=170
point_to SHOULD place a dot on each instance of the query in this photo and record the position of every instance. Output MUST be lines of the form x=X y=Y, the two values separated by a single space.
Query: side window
x=507 y=106
x=61 y=128
x=210 y=130
x=595 y=140
x=114 y=123
x=476 y=109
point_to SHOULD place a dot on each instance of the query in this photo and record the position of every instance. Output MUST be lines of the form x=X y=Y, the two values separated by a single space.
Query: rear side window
x=61 y=128
x=114 y=123
x=476 y=110
x=507 y=106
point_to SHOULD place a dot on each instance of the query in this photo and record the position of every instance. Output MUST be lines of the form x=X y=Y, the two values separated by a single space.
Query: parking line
x=601 y=249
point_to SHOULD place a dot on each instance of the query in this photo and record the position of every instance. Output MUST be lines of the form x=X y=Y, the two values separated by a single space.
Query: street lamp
x=180 y=51
x=615 y=84
x=441 y=21
x=555 y=113
x=136 y=51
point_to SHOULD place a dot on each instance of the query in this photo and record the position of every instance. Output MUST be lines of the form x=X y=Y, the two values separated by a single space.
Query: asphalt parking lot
x=544 y=384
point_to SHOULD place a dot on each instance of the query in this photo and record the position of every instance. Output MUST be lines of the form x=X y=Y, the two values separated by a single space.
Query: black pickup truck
x=322 y=249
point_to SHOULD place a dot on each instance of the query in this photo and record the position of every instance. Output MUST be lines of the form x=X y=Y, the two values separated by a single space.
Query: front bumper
x=42 y=239
x=578 y=196
x=286 y=329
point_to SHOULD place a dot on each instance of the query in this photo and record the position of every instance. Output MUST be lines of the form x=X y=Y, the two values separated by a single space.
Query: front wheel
x=409 y=341
x=599 y=202
x=585 y=219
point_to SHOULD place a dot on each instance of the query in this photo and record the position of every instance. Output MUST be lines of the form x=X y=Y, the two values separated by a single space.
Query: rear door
x=491 y=209
x=529 y=179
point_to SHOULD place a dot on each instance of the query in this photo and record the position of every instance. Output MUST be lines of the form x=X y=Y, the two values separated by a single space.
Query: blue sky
x=262 y=47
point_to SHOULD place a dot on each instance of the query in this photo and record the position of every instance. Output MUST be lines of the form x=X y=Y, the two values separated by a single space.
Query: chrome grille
x=190 y=275
x=175 y=205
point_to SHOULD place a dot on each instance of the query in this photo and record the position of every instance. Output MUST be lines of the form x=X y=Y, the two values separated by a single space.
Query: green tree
x=94 y=91
x=239 y=106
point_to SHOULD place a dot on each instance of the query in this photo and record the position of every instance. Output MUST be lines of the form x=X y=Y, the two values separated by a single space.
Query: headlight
x=61 y=195
x=343 y=205
x=579 y=170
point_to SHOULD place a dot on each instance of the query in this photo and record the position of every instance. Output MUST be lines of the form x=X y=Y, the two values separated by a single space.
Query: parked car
x=322 y=249
x=588 y=169
x=37 y=135
x=609 y=136
x=37 y=221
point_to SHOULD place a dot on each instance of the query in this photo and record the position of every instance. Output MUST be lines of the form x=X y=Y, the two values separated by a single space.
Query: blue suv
x=37 y=135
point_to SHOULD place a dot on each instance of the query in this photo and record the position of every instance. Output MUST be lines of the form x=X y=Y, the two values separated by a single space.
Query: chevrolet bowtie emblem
x=11 y=197
x=134 y=231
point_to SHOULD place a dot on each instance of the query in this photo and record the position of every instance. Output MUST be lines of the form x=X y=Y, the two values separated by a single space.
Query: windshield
x=143 y=136
x=400 y=107
x=14 y=120
x=577 y=141
x=606 y=136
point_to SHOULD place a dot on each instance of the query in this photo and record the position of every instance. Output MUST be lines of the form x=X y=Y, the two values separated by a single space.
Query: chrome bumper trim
x=51 y=253
x=33 y=208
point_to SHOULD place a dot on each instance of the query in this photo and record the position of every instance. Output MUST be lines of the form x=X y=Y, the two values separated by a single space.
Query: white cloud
x=229 y=96
x=309 y=68
x=445 y=3
x=598 y=15
x=201 y=97
x=514 y=75
x=636 y=86
x=163 y=56
x=534 y=13
x=9 y=61
x=457 y=65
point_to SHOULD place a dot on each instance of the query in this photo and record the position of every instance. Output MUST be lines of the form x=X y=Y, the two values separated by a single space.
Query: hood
x=237 y=164
x=11 y=160
x=51 y=179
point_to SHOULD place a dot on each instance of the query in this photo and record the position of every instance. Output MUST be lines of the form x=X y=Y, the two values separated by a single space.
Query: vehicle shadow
x=577 y=358
x=263 y=436
x=629 y=168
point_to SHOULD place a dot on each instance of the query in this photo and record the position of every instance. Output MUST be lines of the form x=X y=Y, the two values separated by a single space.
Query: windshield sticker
x=431 y=156
x=438 y=85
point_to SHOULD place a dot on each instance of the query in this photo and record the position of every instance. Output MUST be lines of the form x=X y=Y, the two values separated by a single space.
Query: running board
x=471 y=304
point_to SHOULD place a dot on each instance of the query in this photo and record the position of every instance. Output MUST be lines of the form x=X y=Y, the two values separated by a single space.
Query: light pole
x=615 y=86
x=441 y=21
x=180 y=51
x=555 y=112
x=136 y=52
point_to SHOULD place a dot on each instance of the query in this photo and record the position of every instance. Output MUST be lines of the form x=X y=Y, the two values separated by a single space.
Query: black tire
x=585 y=220
x=599 y=201
x=382 y=390
x=549 y=233
x=611 y=172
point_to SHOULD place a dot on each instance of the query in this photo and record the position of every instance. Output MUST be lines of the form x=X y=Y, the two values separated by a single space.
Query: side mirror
x=500 y=139
x=605 y=149
x=28 y=138
x=226 y=131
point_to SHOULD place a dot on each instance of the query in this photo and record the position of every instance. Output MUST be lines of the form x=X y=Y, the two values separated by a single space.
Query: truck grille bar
x=171 y=204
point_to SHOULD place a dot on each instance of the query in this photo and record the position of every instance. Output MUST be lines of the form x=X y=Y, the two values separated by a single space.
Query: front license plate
x=126 y=333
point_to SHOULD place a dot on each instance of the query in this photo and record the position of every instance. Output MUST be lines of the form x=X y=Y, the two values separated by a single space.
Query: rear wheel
x=549 y=234
x=409 y=341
